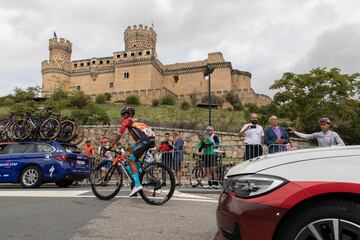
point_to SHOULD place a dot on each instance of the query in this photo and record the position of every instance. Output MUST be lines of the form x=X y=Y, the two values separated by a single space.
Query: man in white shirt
x=254 y=136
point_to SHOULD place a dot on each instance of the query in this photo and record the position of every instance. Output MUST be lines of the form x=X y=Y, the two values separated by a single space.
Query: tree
x=307 y=97
x=234 y=100
x=108 y=96
x=79 y=99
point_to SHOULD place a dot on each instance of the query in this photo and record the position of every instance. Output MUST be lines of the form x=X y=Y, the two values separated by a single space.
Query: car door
x=11 y=162
x=43 y=156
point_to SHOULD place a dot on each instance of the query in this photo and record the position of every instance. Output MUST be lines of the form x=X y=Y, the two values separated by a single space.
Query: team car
x=299 y=195
x=35 y=163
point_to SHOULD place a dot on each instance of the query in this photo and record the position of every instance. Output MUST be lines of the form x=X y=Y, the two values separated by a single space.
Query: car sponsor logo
x=51 y=171
x=8 y=164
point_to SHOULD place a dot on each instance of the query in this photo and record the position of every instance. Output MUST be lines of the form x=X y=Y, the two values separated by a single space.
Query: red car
x=311 y=194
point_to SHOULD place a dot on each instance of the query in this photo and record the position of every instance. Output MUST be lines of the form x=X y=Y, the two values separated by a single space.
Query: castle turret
x=140 y=38
x=60 y=50
x=56 y=70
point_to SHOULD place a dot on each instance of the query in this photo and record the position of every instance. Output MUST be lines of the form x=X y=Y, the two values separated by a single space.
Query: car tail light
x=62 y=158
x=253 y=185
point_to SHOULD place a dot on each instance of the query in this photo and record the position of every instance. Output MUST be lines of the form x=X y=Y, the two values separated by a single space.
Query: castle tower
x=56 y=70
x=139 y=38
x=60 y=50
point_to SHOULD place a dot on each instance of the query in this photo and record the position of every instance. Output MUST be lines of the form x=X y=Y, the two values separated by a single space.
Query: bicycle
x=44 y=126
x=107 y=179
x=6 y=125
x=199 y=171
x=68 y=130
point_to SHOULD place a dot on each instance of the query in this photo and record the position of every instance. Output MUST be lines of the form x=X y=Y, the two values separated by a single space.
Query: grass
x=172 y=116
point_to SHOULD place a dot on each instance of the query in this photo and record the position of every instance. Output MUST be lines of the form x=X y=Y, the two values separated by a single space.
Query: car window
x=20 y=148
x=44 y=147
x=2 y=147
x=71 y=148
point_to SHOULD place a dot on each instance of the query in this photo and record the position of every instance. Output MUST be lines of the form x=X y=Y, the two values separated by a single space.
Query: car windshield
x=71 y=148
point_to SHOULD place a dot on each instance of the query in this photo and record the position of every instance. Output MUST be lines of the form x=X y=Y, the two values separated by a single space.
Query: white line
x=31 y=193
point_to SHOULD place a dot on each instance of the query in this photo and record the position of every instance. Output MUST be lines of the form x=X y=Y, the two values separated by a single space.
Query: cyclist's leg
x=139 y=149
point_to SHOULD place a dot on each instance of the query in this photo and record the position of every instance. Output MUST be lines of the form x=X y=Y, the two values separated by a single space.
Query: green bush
x=100 y=99
x=79 y=100
x=234 y=100
x=214 y=100
x=185 y=105
x=107 y=96
x=155 y=102
x=167 y=100
x=90 y=115
x=59 y=95
x=132 y=99
x=7 y=101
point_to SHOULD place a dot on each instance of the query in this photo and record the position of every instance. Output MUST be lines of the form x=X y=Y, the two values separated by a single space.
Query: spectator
x=103 y=143
x=216 y=147
x=88 y=150
x=325 y=138
x=254 y=136
x=276 y=137
x=205 y=145
x=178 y=156
x=166 y=148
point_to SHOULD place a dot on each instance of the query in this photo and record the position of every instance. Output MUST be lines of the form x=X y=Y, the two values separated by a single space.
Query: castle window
x=176 y=78
x=118 y=56
x=125 y=54
x=147 y=52
x=101 y=62
x=111 y=85
x=75 y=65
x=78 y=88
x=88 y=63
x=132 y=54
x=134 y=45
x=93 y=62
x=126 y=75
x=108 y=61
x=140 y=53
x=81 y=64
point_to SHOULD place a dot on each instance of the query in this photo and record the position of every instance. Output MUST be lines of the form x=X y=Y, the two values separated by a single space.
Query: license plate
x=80 y=162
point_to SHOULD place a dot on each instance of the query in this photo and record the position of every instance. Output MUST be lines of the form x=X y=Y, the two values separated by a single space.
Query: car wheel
x=64 y=183
x=327 y=219
x=31 y=177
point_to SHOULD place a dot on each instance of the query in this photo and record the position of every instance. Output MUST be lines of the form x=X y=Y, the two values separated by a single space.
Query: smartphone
x=253 y=126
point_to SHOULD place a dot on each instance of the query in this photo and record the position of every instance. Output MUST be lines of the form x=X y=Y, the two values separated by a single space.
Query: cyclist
x=144 y=139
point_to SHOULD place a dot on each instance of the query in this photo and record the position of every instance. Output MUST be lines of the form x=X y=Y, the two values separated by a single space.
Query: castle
x=138 y=71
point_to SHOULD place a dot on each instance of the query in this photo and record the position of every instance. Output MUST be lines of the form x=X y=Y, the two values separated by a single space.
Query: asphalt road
x=74 y=213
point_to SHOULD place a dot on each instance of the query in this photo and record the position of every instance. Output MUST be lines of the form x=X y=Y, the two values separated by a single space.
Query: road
x=75 y=214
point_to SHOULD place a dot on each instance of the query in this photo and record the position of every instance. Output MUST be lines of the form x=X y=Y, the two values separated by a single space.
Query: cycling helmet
x=324 y=119
x=128 y=110
x=209 y=128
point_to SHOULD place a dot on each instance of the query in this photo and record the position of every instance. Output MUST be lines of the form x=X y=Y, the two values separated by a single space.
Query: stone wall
x=233 y=145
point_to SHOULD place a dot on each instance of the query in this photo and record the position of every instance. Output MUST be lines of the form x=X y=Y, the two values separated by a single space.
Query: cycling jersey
x=137 y=129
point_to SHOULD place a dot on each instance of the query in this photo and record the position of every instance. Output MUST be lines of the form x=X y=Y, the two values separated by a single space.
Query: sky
x=264 y=37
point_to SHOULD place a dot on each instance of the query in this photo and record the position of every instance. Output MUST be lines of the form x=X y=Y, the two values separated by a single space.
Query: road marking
x=177 y=196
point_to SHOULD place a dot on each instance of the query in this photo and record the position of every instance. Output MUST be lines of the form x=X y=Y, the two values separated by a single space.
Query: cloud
x=265 y=38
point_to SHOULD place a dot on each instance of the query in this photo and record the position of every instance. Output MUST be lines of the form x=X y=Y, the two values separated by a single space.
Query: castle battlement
x=140 y=38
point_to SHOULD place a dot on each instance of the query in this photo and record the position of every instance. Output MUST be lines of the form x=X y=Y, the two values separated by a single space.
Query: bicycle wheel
x=158 y=183
x=106 y=182
x=21 y=129
x=198 y=173
x=68 y=130
x=78 y=137
x=49 y=128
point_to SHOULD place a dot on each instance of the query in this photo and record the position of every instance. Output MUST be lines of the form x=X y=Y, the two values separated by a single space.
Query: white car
x=311 y=194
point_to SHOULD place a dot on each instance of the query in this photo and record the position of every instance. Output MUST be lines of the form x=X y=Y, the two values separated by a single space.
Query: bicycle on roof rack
x=44 y=126
x=107 y=179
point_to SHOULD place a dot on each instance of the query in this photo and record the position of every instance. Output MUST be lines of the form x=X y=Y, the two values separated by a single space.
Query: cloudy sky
x=264 y=37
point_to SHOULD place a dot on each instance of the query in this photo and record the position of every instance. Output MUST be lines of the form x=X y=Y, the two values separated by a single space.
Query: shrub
x=167 y=100
x=108 y=96
x=100 y=98
x=79 y=99
x=90 y=115
x=214 y=100
x=234 y=100
x=7 y=101
x=132 y=99
x=155 y=102
x=185 y=105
